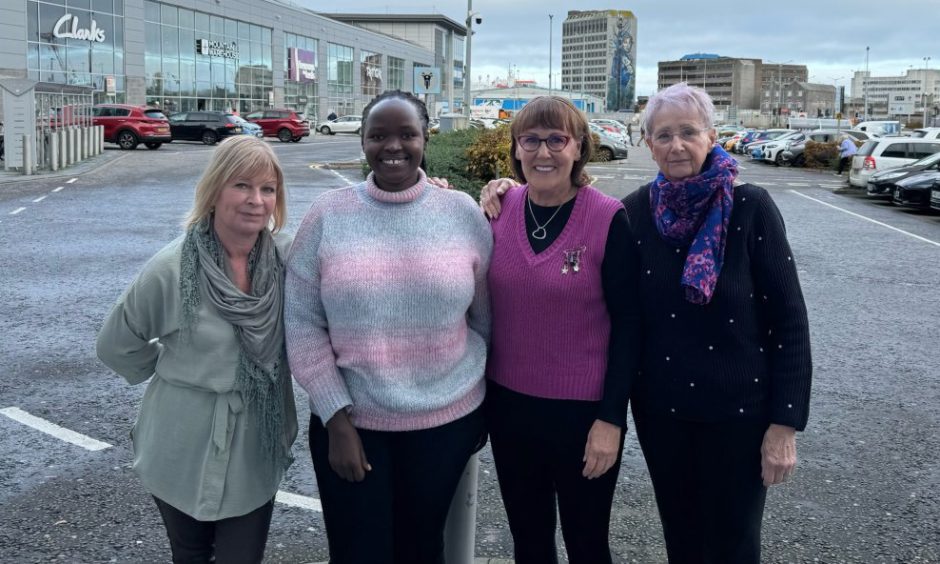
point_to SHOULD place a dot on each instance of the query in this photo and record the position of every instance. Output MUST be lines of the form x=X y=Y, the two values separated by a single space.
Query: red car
x=129 y=125
x=286 y=125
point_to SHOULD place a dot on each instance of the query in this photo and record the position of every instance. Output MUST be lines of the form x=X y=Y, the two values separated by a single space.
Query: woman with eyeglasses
x=564 y=336
x=725 y=369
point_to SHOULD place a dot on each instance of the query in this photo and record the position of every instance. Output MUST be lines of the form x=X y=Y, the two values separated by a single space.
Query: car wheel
x=325 y=130
x=798 y=161
x=604 y=154
x=284 y=135
x=295 y=140
x=127 y=140
x=778 y=160
x=358 y=130
x=210 y=137
x=153 y=146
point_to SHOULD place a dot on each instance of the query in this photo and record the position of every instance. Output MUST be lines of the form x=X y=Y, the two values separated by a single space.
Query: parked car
x=285 y=124
x=613 y=127
x=935 y=199
x=757 y=135
x=129 y=125
x=773 y=150
x=608 y=147
x=342 y=124
x=879 y=128
x=882 y=153
x=1 y=140
x=793 y=154
x=207 y=126
x=754 y=148
x=248 y=128
x=926 y=133
x=882 y=183
x=914 y=191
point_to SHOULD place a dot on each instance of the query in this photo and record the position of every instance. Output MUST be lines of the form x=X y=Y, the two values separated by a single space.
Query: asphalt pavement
x=867 y=489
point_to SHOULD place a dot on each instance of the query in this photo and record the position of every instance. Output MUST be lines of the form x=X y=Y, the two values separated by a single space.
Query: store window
x=396 y=73
x=79 y=43
x=339 y=83
x=198 y=61
x=370 y=71
x=302 y=73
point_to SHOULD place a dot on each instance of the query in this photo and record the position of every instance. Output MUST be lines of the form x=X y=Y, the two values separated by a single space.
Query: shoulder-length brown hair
x=553 y=112
x=238 y=156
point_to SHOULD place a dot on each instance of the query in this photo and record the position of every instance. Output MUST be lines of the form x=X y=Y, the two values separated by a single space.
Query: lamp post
x=779 y=83
x=467 y=72
x=865 y=83
x=923 y=98
x=835 y=101
x=550 y=16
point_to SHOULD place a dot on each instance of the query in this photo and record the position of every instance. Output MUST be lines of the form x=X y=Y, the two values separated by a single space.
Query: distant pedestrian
x=331 y=116
x=630 y=132
x=847 y=150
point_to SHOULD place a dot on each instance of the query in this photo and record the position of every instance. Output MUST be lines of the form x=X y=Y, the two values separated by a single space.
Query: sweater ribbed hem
x=380 y=420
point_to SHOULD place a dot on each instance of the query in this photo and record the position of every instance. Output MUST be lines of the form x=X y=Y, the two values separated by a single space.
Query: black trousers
x=236 y=540
x=842 y=162
x=707 y=480
x=397 y=514
x=538 y=447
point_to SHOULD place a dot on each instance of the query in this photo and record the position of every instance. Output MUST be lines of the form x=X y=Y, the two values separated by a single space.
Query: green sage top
x=196 y=446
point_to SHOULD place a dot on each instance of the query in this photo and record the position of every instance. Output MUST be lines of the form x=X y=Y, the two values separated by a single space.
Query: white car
x=926 y=133
x=773 y=150
x=882 y=153
x=342 y=124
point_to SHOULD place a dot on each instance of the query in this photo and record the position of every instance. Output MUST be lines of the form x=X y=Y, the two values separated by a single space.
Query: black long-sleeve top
x=746 y=354
x=618 y=279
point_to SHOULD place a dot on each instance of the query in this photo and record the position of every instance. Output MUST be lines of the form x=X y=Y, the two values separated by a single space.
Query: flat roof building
x=598 y=56
x=731 y=82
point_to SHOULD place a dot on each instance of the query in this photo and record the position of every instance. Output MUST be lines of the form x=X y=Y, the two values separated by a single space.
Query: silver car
x=342 y=124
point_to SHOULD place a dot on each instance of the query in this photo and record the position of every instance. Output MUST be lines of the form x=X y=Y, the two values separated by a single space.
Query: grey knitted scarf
x=256 y=317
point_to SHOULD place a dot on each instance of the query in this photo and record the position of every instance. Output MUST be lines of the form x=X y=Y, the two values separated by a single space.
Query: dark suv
x=286 y=125
x=206 y=126
x=129 y=125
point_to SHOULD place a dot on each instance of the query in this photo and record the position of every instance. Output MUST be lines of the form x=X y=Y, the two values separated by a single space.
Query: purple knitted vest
x=551 y=328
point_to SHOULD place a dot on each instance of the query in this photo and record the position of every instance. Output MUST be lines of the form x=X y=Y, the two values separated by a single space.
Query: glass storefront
x=396 y=73
x=301 y=75
x=370 y=71
x=198 y=61
x=339 y=79
x=78 y=42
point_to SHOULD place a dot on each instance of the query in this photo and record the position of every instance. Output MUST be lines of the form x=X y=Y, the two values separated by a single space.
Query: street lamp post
x=550 y=16
x=923 y=98
x=468 y=75
x=835 y=101
x=779 y=83
x=865 y=83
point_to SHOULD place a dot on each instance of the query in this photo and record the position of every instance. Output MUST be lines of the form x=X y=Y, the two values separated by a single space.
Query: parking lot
x=867 y=489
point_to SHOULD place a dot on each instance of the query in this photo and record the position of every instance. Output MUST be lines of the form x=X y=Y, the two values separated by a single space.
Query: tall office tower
x=598 y=56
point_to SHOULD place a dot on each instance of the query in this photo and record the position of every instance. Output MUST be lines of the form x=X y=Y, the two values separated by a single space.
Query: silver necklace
x=539 y=232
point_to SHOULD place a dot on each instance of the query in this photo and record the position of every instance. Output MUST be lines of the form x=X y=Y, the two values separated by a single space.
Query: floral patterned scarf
x=695 y=212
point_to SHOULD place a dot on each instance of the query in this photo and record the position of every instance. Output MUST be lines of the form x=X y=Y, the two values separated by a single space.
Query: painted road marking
x=54 y=430
x=804 y=184
x=71 y=180
x=40 y=198
x=59 y=189
x=341 y=177
x=876 y=222
x=301 y=501
x=16 y=211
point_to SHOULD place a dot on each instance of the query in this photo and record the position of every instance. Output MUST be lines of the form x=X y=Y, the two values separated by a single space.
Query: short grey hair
x=682 y=97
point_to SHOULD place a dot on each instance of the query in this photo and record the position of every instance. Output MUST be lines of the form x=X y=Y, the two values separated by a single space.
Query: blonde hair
x=240 y=155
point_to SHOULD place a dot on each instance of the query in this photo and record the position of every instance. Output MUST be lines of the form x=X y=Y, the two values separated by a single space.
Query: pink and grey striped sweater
x=386 y=306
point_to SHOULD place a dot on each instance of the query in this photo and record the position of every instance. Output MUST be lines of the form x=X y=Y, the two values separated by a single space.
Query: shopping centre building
x=206 y=54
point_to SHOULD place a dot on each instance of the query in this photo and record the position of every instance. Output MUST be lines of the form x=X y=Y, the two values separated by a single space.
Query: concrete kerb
x=482 y=560
x=92 y=164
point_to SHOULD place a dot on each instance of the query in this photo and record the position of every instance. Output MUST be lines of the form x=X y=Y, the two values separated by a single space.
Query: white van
x=879 y=128
x=882 y=153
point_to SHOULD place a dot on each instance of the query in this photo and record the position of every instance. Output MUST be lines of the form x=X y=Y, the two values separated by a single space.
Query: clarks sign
x=67 y=27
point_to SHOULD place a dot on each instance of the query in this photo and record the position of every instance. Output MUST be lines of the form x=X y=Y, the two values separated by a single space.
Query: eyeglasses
x=554 y=143
x=686 y=134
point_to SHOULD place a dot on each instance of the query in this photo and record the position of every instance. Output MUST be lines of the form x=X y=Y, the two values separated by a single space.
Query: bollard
x=100 y=139
x=73 y=140
x=461 y=526
x=82 y=146
x=53 y=151
x=27 y=155
x=63 y=148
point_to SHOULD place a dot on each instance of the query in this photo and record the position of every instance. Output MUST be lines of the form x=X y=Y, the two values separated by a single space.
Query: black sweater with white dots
x=746 y=354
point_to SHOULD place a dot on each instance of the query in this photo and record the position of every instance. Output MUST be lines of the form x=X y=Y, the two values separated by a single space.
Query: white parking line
x=54 y=430
x=40 y=198
x=71 y=180
x=876 y=222
x=301 y=501
x=803 y=184
x=59 y=189
x=341 y=177
x=16 y=211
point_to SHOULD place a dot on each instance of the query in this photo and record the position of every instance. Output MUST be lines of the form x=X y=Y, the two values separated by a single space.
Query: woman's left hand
x=600 y=452
x=778 y=454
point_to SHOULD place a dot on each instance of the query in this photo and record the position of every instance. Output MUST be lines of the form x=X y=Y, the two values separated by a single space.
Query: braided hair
x=411 y=99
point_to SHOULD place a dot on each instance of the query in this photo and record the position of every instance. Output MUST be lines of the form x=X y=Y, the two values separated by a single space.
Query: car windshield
x=154 y=114
x=236 y=119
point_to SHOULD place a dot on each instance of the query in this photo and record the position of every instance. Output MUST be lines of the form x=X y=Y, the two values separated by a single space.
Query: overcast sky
x=828 y=36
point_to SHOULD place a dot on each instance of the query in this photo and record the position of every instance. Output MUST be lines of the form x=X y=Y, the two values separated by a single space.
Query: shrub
x=821 y=155
x=448 y=157
x=488 y=155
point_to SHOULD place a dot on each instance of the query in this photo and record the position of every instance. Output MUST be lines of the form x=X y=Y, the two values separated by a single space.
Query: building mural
x=621 y=83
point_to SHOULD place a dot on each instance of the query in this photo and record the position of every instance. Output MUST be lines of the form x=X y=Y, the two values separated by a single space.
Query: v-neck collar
x=522 y=237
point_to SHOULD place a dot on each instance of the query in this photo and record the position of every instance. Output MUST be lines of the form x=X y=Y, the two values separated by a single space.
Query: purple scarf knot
x=695 y=212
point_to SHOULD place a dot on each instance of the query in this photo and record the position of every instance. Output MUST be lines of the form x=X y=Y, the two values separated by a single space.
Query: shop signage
x=67 y=27
x=301 y=65
x=217 y=48
x=109 y=86
x=427 y=80
x=374 y=73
